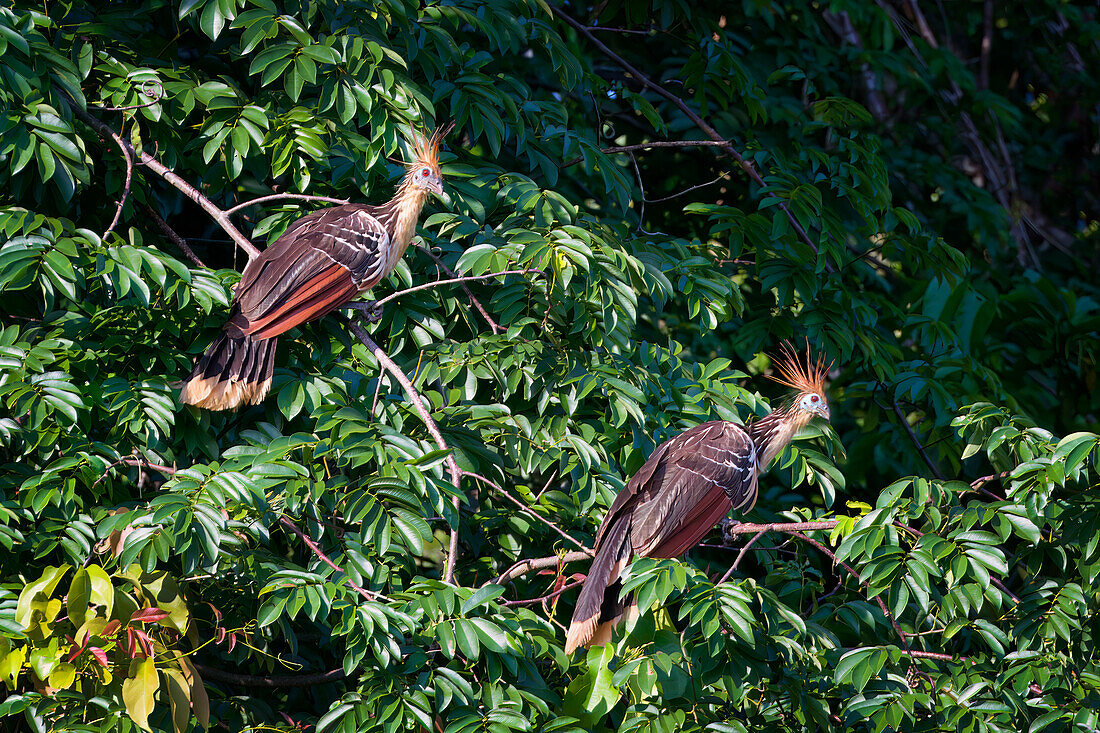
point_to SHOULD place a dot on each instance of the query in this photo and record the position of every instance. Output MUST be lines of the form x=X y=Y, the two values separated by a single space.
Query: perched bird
x=689 y=483
x=320 y=263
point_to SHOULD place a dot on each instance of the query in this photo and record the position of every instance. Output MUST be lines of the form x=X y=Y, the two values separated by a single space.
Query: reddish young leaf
x=148 y=615
x=99 y=654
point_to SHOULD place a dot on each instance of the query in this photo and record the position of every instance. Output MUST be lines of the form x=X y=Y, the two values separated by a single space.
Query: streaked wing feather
x=319 y=264
x=706 y=470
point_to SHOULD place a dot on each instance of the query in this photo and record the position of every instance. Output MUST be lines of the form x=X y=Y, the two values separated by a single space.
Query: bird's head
x=808 y=379
x=424 y=174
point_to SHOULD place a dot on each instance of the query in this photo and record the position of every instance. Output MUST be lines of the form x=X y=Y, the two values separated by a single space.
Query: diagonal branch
x=691 y=115
x=916 y=441
x=284 y=196
x=368 y=594
x=469 y=294
x=433 y=430
x=526 y=509
x=173 y=235
x=181 y=185
x=459 y=279
x=126 y=184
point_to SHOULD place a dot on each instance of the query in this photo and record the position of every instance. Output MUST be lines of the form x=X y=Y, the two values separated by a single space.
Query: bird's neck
x=400 y=214
x=771 y=433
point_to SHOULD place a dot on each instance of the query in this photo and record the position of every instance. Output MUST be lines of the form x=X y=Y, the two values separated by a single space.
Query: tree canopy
x=646 y=200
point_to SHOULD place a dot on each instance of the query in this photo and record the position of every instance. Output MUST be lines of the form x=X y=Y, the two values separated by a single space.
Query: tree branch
x=173 y=235
x=691 y=115
x=181 y=185
x=367 y=594
x=654 y=144
x=916 y=441
x=458 y=279
x=126 y=184
x=527 y=510
x=433 y=430
x=281 y=196
x=547 y=597
x=474 y=301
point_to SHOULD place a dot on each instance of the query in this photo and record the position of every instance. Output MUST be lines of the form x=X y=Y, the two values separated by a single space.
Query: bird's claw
x=728 y=524
x=370 y=310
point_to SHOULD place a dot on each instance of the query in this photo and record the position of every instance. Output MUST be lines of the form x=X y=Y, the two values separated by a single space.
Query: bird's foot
x=727 y=524
x=370 y=310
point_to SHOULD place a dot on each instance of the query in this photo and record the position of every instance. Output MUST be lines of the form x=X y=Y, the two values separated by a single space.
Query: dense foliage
x=911 y=194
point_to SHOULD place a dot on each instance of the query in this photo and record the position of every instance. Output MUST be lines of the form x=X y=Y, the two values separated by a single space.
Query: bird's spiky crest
x=427 y=149
x=801 y=375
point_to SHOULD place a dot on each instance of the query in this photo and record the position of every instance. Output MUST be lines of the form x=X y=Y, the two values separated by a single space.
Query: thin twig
x=173 y=235
x=181 y=185
x=916 y=441
x=139 y=462
x=159 y=95
x=433 y=430
x=522 y=567
x=126 y=184
x=654 y=144
x=368 y=594
x=722 y=175
x=280 y=196
x=476 y=303
x=540 y=599
x=526 y=509
x=691 y=115
x=617 y=30
x=745 y=549
x=460 y=279
x=526 y=566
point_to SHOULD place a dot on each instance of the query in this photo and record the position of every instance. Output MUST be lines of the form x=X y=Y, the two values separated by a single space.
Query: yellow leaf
x=62 y=676
x=180 y=696
x=139 y=689
x=199 y=701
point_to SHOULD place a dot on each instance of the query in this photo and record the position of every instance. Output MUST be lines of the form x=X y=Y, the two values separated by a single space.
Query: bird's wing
x=703 y=473
x=319 y=264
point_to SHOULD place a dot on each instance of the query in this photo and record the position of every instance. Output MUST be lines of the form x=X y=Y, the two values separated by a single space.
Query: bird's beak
x=823 y=411
x=436 y=187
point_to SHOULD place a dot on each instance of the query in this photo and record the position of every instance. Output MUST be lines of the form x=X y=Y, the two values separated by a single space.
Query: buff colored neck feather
x=409 y=201
x=771 y=433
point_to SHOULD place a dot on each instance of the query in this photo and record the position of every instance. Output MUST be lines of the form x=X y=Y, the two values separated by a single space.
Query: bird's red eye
x=813 y=398
x=425 y=172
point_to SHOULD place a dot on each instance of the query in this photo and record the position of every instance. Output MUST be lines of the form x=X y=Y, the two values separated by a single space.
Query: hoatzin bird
x=689 y=483
x=320 y=263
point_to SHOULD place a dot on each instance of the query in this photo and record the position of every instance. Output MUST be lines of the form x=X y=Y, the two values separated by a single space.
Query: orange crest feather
x=807 y=376
x=427 y=149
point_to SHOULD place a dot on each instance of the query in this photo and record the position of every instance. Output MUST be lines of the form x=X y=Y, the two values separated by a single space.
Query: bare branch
x=367 y=594
x=527 y=510
x=916 y=441
x=433 y=430
x=691 y=115
x=284 y=196
x=654 y=144
x=540 y=599
x=173 y=235
x=126 y=184
x=476 y=303
x=526 y=566
x=138 y=461
x=460 y=279
x=181 y=185
x=745 y=549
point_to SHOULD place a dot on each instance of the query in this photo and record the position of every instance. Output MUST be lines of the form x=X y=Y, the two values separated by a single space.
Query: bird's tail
x=599 y=607
x=234 y=371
